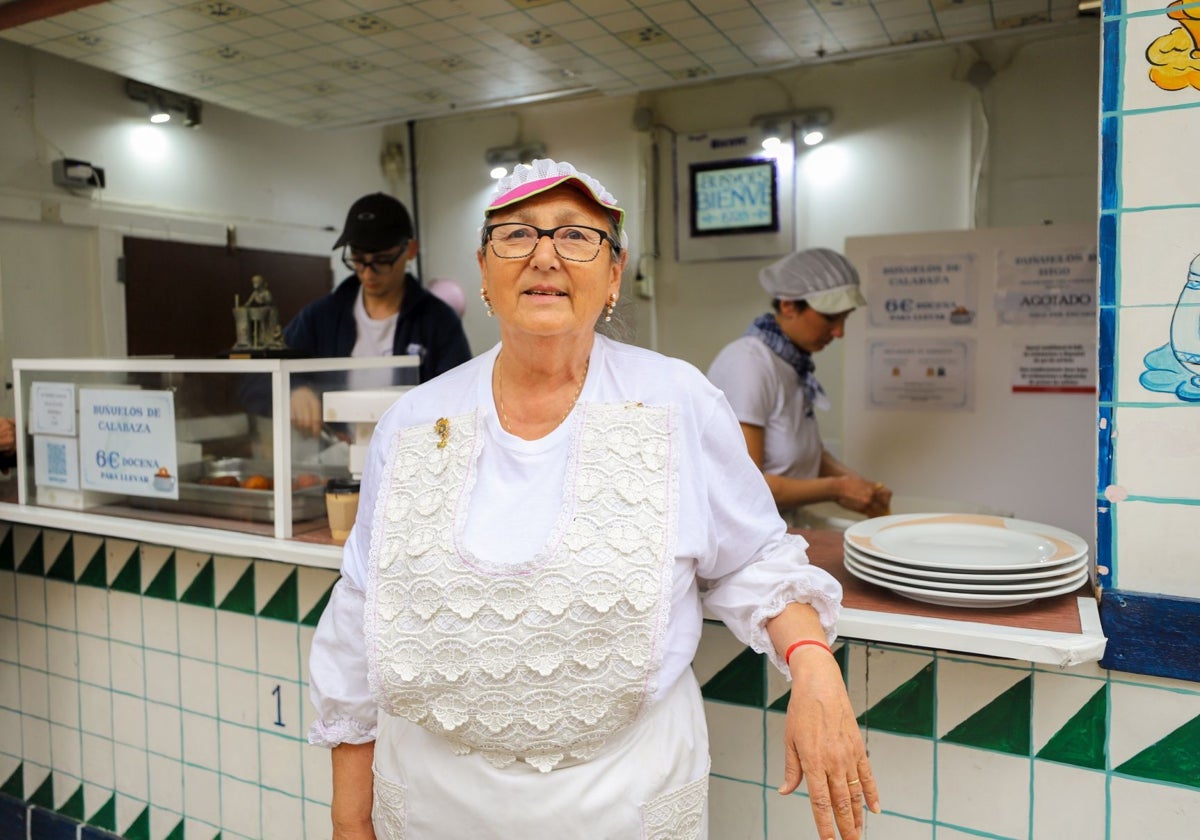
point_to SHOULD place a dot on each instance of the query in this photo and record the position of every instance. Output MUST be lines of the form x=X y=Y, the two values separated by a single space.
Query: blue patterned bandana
x=766 y=329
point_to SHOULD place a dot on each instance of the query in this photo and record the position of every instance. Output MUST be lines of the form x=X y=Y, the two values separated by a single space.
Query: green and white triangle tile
x=72 y=806
x=12 y=776
x=313 y=587
x=58 y=554
x=275 y=590
x=139 y=827
x=1003 y=725
x=1083 y=739
x=233 y=583
x=104 y=816
x=39 y=786
x=154 y=560
x=84 y=549
x=875 y=672
x=742 y=681
x=164 y=825
x=909 y=708
x=1175 y=758
x=718 y=647
x=96 y=799
x=123 y=563
x=61 y=788
x=27 y=550
x=92 y=566
x=1141 y=716
x=8 y=561
x=965 y=687
x=195 y=578
x=8 y=593
x=1064 y=712
x=130 y=814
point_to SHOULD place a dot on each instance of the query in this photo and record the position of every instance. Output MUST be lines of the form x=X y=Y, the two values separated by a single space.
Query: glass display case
x=240 y=445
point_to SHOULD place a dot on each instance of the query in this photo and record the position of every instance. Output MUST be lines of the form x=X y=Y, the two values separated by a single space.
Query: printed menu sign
x=929 y=374
x=921 y=291
x=127 y=442
x=1057 y=368
x=52 y=408
x=1046 y=286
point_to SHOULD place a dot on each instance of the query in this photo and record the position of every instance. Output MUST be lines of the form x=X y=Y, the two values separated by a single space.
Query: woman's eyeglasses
x=378 y=264
x=577 y=243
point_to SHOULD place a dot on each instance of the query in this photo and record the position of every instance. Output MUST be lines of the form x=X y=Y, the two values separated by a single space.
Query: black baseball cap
x=375 y=223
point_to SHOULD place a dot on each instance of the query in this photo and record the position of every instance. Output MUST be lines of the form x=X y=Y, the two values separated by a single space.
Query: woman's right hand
x=306 y=411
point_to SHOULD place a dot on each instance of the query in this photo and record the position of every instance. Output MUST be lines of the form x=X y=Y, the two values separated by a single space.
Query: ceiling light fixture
x=163 y=105
x=500 y=158
x=782 y=125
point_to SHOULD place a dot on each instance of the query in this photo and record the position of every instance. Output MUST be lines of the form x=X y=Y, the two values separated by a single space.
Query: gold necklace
x=500 y=394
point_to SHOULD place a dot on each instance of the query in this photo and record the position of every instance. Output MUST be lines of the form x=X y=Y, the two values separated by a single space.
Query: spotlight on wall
x=501 y=158
x=164 y=105
x=782 y=125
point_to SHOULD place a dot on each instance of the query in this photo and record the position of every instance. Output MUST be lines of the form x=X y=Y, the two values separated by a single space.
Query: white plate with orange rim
x=975 y=600
x=916 y=571
x=965 y=542
x=952 y=586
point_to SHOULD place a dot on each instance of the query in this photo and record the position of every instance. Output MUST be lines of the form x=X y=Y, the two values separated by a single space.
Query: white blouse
x=731 y=550
x=765 y=391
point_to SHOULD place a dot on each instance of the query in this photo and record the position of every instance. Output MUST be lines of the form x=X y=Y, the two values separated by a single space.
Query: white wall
x=900 y=159
x=282 y=189
x=454 y=187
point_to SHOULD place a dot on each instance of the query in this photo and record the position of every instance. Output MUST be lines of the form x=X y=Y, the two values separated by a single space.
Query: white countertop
x=930 y=632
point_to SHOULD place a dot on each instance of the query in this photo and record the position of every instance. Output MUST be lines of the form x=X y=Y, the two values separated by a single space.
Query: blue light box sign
x=734 y=196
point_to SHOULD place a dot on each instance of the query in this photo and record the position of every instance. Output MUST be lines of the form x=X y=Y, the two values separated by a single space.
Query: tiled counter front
x=159 y=693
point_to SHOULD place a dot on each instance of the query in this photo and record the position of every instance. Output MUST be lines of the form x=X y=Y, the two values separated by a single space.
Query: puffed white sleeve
x=753 y=568
x=338 y=687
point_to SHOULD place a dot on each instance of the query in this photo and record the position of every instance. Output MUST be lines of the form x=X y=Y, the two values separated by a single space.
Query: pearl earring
x=608 y=311
x=483 y=297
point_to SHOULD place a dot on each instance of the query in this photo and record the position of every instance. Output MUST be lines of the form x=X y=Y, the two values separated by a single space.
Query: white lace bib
x=541 y=661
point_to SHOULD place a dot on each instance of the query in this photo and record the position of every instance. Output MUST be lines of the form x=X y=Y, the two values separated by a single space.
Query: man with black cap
x=381 y=310
x=768 y=377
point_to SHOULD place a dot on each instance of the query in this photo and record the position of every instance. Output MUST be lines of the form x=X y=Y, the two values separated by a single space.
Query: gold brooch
x=442 y=427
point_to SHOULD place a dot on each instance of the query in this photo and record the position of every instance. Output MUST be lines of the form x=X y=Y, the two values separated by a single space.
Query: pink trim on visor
x=531 y=188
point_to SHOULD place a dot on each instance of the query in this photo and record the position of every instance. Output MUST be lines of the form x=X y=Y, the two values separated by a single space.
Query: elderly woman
x=507 y=654
x=768 y=377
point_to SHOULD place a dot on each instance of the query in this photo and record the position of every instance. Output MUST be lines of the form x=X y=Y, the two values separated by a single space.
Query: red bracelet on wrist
x=787 y=656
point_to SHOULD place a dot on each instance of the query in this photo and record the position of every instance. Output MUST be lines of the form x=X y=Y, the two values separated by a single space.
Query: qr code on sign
x=56 y=460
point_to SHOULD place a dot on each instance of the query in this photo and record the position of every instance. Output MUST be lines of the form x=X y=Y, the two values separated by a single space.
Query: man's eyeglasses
x=577 y=243
x=378 y=263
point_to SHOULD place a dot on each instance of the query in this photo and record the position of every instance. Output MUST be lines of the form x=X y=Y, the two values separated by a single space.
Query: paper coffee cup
x=341 y=505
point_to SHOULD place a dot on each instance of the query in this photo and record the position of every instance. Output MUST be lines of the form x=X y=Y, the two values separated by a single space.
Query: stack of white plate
x=966 y=560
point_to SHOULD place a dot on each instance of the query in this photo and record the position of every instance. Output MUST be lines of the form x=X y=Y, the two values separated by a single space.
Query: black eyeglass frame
x=374 y=264
x=605 y=236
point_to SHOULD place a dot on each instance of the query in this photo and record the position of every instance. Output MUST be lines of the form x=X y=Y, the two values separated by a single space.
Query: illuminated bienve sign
x=734 y=196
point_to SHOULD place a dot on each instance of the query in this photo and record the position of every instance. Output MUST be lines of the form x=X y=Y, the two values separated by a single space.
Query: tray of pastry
x=241 y=488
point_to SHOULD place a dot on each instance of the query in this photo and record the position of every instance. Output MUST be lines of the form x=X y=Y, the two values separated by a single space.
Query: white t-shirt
x=765 y=391
x=376 y=338
x=731 y=550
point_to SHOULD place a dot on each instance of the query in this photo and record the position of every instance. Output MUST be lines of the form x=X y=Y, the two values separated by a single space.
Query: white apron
x=515 y=697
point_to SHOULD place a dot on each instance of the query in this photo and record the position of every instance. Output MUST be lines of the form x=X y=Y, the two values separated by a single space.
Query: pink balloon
x=450 y=292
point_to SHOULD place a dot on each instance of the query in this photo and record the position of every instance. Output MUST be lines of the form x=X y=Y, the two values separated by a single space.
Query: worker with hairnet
x=768 y=376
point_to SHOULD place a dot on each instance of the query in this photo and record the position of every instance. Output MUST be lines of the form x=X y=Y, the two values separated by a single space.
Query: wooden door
x=179 y=296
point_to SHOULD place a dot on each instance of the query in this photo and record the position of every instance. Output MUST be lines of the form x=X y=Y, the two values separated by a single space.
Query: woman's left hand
x=823 y=746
